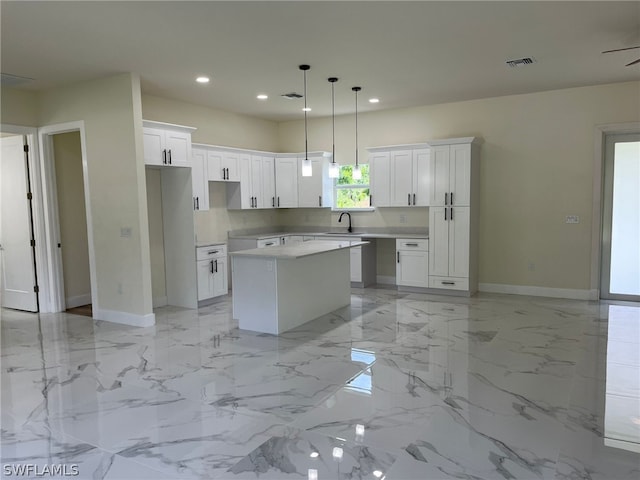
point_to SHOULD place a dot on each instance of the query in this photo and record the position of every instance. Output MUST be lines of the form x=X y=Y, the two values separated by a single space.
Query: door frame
x=51 y=216
x=35 y=178
x=597 y=211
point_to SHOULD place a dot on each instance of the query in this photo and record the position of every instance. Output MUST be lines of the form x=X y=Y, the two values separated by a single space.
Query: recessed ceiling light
x=306 y=109
x=262 y=96
x=203 y=79
x=374 y=100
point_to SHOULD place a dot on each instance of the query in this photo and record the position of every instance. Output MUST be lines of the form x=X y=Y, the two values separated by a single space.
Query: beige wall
x=112 y=115
x=536 y=168
x=18 y=107
x=73 y=216
x=156 y=234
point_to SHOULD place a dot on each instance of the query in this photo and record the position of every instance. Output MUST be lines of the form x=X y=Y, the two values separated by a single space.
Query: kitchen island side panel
x=255 y=294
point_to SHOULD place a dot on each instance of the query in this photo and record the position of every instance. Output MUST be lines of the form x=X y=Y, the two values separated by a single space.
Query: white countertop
x=209 y=244
x=297 y=250
x=261 y=236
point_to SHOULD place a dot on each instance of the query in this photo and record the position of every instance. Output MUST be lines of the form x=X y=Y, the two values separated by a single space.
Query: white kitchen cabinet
x=286 y=168
x=212 y=272
x=316 y=191
x=399 y=175
x=268 y=242
x=199 y=179
x=166 y=144
x=412 y=262
x=256 y=188
x=223 y=166
x=355 y=263
x=291 y=239
x=268 y=182
x=453 y=215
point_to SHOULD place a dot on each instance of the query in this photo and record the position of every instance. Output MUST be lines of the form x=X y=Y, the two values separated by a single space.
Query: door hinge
x=33 y=243
x=36 y=288
x=29 y=196
x=26 y=148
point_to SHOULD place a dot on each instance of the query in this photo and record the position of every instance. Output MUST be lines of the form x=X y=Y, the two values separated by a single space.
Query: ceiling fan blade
x=632 y=63
x=621 y=49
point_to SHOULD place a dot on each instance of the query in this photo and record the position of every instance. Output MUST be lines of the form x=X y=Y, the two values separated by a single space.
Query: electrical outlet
x=125 y=232
x=572 y=219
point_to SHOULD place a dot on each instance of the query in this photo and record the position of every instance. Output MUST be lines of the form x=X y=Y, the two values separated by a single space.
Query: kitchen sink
x=342 y=233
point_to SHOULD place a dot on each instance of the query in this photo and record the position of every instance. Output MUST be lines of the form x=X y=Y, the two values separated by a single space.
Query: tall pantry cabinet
x=453 y=214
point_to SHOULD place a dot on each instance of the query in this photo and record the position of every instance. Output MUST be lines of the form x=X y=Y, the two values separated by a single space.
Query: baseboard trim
x=77 y=300
x=569 y=293
x=385 y=280
x=159 y=302
x=125 y=318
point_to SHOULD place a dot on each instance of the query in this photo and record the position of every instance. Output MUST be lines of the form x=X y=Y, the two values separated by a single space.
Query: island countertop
x=297 y=250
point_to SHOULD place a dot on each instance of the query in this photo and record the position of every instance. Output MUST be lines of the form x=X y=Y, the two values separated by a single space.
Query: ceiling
x=405 y=53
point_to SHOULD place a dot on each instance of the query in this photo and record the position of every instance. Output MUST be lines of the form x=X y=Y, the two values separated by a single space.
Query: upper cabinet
x=224 y=166
x=256 y=188
x=166 y=144
x=400 y=175
x=199 y=179
x=316 y=191
x=286 y=181
x=450 y=173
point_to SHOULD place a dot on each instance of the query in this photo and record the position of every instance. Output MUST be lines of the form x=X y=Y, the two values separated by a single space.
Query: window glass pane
x=352 y=198
x=346 y=175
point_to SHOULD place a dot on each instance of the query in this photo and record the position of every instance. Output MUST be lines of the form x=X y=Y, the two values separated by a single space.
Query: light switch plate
x=125 y=232
x=572 y=219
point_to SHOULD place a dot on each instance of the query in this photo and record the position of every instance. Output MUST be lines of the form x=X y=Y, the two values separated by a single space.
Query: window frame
x=352 y=186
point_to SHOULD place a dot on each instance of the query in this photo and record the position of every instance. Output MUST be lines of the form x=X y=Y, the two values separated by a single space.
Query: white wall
x=536 y=168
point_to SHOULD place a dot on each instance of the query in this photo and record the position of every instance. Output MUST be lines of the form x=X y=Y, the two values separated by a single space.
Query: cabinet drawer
x=268 y=242
x=450 y=283
x=412 y=244
x=214 y=251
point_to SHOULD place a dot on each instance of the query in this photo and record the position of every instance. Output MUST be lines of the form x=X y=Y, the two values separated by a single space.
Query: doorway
x=18 y=274
x=620 y=263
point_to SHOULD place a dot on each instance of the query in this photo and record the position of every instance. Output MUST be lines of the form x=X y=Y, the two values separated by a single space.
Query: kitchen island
x=279 y=288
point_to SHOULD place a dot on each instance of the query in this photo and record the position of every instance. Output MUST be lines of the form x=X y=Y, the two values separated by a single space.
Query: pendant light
x=307 y=170
x=334 y=168
x=357 y=173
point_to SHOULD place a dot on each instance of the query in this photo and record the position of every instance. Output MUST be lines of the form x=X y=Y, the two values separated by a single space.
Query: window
x=349 y=193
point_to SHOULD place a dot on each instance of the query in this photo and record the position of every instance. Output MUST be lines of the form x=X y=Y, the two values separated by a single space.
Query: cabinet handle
x=451 y=213
x=411 y=244
x=212 y=252
x=414 y=198
x=451 y=198
x=251 y=202
x=216 y=262
x=371 y=200
x=278 y=201
x=164 y=157
x=409 y=199
x=197 y=203
x=273 y=201
x=268 y=244
x=319 y=200
x=211 y=266
x=446 y=199
x=398 y=255
x=445 y=214
x=169 y=156
x=448 y=283
x=194 y=203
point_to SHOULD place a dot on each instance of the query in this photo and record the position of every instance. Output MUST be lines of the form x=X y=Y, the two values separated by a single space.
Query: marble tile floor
x=397 y=386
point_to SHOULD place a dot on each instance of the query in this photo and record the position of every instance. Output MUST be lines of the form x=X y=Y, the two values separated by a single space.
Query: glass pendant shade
x=334 y=170
x=357 y=173
x=307 y=170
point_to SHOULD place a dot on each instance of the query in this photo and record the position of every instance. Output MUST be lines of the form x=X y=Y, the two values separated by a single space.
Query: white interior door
x=16 y=253
x=621 y=220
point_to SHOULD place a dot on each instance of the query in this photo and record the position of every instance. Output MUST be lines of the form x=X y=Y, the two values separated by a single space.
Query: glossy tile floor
x=398 y=386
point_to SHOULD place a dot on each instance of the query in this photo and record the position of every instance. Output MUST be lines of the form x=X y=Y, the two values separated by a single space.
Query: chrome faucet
x=340 y=220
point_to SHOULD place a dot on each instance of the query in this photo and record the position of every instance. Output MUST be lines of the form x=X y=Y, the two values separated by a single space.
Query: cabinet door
x=154 y=146
x=214 y=166
x=459 y=225
x=421 y=168
x=219 y=277
x=268 y=183
x=286 y=182
x=439 y=175
x=231 y=161
x=413 y=268
x=401 y=178
x=244 y=174
x=310 y=188
x=178 y=145
x=205 y=283
x=380 y=186
x=460 y=175
x=438 y=241
x=256 y=182
x=199 y=179
x=356 y=264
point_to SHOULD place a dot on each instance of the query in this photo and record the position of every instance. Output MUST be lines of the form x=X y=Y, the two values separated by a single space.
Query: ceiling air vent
x=291 y=95
x=521 y=62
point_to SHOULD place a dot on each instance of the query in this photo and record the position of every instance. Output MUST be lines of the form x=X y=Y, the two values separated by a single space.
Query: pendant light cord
x=333 y=119
x=306 y=149
x=356 y=89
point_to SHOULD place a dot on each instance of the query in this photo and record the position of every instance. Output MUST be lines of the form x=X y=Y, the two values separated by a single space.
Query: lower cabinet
x=268 y=242
x=212 y=271
x=412 y=262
